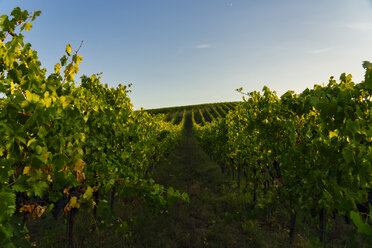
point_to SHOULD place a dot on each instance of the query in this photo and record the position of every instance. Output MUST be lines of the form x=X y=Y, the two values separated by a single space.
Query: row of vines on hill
x=310 y=151
x=203 y=116
x=208 y=112
x=68 y=147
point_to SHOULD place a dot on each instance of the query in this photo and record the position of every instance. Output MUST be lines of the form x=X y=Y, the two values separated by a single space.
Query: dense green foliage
x=310 y=151
x=66 y=146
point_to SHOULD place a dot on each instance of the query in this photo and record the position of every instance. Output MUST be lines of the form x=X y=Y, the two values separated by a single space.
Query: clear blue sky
x=180 y=52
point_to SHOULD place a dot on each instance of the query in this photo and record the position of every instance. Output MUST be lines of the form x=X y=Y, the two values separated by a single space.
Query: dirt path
x=202 y=223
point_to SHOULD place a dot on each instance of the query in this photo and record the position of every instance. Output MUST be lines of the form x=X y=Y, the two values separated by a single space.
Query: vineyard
x=81 y=168
x=68 y=147
x=310 y=152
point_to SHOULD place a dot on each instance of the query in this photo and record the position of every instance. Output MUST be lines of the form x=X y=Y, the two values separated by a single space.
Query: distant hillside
x=188 y=107
x=201 y=113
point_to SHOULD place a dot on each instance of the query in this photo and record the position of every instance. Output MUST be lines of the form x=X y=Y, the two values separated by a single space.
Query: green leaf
x=170 y=191
x=63 y=60
x=39 y=188
x=7 y=204
x=59 y=161
x=362 y=227
x=352 y=126
x=367 y=64
x=109 y=184
x=185 y=197
x=348 y=155
x=368 y=76
x=16 y=12
x=36 y=14
x=42 y=132
x=3 y=18
x=20 y=186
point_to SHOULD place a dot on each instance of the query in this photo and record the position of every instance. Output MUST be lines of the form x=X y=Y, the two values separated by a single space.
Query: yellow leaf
x=68 y=49
x=28 y=95
x=79 y=165
x=333 y=134
x=31 y=141
x=46 y=155
x=88 y=193
x=26 y=169
x=12 y=88
x=57 y=68
x=47 y=102
x=74 y=202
